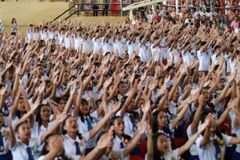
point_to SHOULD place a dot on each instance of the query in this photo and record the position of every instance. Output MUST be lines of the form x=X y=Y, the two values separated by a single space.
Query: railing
x=80 y=7
x=207 y=7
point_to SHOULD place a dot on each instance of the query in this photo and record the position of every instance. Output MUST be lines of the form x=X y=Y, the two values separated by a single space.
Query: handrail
x=64 y=12
x=78 y=8
x=228 y=8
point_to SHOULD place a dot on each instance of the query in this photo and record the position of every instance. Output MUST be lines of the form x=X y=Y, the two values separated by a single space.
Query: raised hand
x=146 y=107
x=202 y=127
x=107 y=83
x=105 y=140
x=153 y=85
x=3 y=90
x=61 y=117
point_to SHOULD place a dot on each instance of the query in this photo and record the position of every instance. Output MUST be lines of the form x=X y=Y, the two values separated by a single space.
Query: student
x=14 y=27
x=210 y=144
x=23 y=148
x=53 y=148
x=158 y=147
x=5 y=152
x=76 y=136
x=30 y=33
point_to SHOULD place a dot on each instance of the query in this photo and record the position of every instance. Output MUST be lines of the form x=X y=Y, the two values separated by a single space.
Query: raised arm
x=140 y=131
x=103 y=121
x=193 y=138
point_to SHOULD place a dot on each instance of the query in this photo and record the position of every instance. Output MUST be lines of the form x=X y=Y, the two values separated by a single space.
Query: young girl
x=53 y=148
x=14 y=27
x=158 y=147
x=211 y=144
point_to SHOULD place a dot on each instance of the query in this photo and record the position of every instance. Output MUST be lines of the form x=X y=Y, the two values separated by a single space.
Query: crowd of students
x=163 y=90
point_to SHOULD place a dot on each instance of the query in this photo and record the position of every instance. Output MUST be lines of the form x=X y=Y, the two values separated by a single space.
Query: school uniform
x=44 y=36
x=60 y=38
x=204 y=63
x=74 y=148
x=84 y=128
x=175 y=55
x=171 y=155
x=50 y=34
x=156 y=53
x=5 y=152
x=22 y=151
x=120 y=144
x=234 y=150
x=130 y=126
x=215 y=59
x=187 y=58
x=143 y=53
x=67 y=42
x=96 y=45
x=107 y=48
x=211 y=151
x=30 y=35
x=131 y=47
x=86 y=46
x=193 y=149
x=119 y=48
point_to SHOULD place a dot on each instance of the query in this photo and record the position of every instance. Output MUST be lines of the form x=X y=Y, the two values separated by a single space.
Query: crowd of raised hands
x=149 y=91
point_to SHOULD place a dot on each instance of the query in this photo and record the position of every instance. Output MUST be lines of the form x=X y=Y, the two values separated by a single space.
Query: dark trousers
x=105 y=10
x=95 y=10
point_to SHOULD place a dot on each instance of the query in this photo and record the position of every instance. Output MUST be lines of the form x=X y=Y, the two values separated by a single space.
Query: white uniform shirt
x=70 y=148
x=19 y=151
x=96 y=45
x=156 y=53
x=204 y=63
x=171 y=155
x=44 y=36
x=107 y=47
x=208 y=152
x=187 y=58
x=131 y=47
x=144 y=53
x=117 y=146
x=193 y=149
x=119 y=48
x=30 y=35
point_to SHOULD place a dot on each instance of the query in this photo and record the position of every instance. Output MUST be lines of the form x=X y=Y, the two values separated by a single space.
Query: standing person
x=105 y=8
x=1 y=26
x=14 y=27
x=95 y=7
